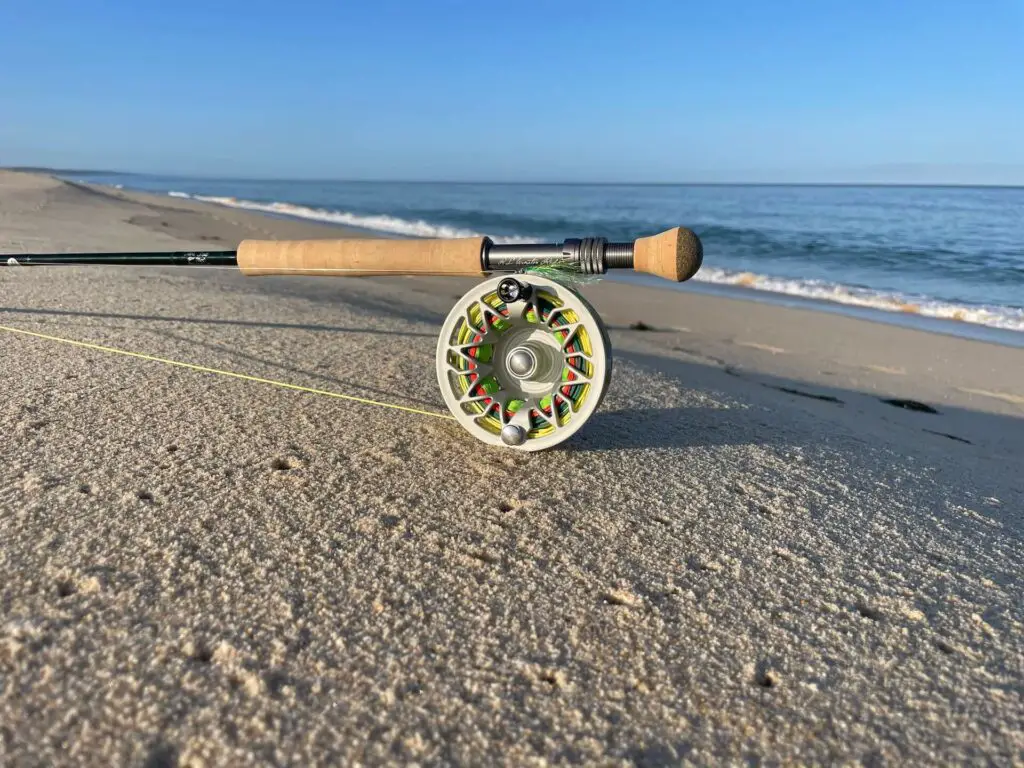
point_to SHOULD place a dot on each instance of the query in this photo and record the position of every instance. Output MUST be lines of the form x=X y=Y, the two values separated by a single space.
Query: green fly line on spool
x=469 y=336
x=573 y=339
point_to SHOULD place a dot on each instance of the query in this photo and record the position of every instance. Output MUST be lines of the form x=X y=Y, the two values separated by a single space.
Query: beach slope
x=786 y=537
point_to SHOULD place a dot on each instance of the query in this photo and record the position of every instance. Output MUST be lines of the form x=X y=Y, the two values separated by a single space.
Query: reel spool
x=523 y=361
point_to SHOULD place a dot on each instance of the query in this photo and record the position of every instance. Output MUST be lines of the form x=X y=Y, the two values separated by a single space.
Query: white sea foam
x=1008 y=318
x=179 y=194
x=377 y=223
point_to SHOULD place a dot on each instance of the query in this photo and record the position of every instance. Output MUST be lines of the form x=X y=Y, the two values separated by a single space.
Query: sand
x=747 y=556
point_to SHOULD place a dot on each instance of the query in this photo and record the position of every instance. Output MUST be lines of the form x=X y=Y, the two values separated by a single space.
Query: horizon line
x=549 y=182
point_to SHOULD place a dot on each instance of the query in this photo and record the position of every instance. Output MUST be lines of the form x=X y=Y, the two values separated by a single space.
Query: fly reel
x=523 y=361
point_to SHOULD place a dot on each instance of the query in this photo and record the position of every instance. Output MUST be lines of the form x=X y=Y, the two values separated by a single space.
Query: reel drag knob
x=523 y=362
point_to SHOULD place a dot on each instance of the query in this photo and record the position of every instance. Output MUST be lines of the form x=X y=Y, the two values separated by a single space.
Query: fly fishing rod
x=523 y=360
x=674 y=255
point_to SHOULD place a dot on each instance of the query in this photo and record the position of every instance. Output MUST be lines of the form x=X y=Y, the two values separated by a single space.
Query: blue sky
x=722 y=90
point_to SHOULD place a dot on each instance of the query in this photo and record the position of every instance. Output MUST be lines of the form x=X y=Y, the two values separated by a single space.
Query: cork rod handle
x=362 y=257
x=675 y=254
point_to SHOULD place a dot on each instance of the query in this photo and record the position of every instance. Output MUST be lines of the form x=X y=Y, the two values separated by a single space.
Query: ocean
x=949 y=259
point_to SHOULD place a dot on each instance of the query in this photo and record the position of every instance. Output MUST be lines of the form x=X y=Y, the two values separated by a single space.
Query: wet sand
x=747 y=554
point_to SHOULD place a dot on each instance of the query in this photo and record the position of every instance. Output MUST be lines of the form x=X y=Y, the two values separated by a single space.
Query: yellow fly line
x=232 y=374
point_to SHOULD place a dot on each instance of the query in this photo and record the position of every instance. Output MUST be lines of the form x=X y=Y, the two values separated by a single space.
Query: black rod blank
x=166 y=258
x=591 y=255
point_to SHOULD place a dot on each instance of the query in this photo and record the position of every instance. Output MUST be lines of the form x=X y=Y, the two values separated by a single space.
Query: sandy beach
x=788 y=537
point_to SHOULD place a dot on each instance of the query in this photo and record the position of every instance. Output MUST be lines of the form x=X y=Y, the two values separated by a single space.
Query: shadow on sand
x=682 y=427
x=207 y=321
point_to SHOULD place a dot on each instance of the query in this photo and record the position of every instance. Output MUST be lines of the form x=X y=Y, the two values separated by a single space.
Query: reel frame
x=523 y=362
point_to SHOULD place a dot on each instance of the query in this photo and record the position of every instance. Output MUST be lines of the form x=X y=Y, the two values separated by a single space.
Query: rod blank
x=169 y=258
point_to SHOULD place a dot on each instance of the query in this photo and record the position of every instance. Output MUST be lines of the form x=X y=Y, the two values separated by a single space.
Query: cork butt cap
x=675 y=254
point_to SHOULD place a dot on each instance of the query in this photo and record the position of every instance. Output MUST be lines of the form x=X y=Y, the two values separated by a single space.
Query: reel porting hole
x=523 y=362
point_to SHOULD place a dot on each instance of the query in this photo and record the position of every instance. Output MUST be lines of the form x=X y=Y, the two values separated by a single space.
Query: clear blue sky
x=644 y=90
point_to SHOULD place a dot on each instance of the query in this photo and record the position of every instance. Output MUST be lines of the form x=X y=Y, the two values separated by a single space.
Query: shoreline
x=896 y=317
x=936 y=325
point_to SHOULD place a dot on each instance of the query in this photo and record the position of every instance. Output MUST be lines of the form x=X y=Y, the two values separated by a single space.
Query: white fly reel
x=523 y=361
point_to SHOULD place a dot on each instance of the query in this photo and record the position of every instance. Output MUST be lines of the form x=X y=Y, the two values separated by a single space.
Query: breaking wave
x=376 y=222
x=1007 y=318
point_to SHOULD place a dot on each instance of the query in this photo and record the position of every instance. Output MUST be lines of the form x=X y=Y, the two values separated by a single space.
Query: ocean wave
x=376 y=222
x=172 y=193
x=1007 y=318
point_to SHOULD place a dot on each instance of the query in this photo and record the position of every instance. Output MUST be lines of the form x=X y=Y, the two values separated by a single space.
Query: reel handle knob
x=675 y=254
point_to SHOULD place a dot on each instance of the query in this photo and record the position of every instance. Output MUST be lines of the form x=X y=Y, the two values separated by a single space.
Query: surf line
x=217 y=371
